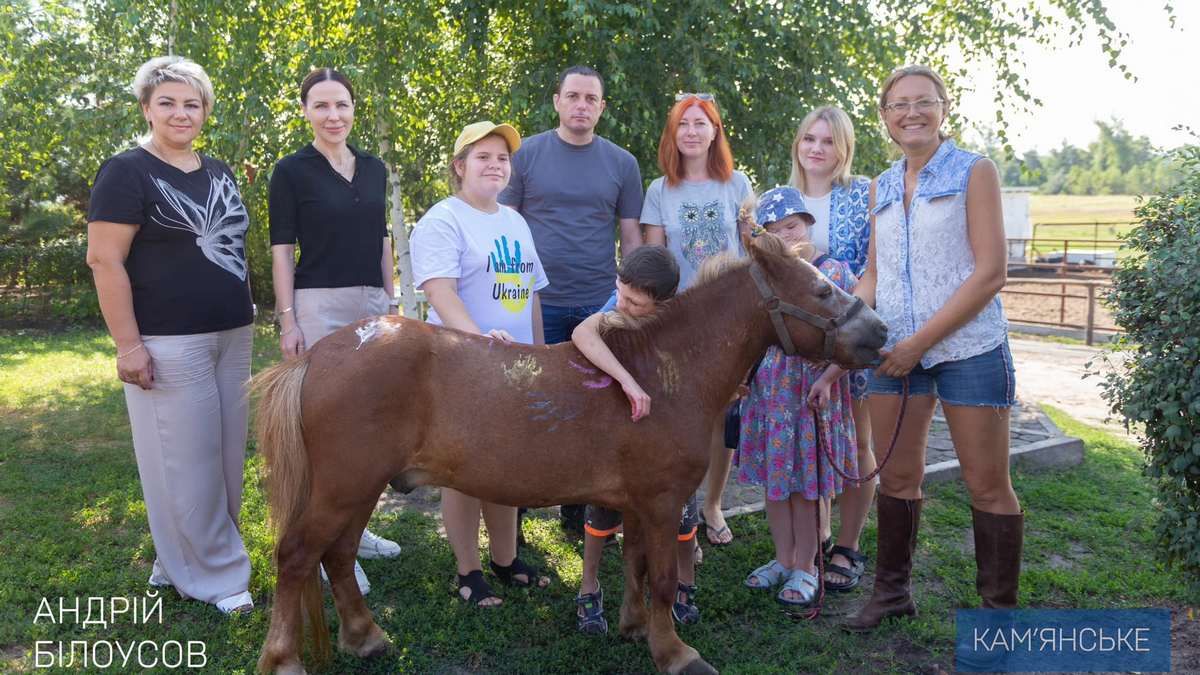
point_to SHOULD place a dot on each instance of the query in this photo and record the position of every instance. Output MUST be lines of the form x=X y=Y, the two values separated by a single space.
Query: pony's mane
x=629 y=337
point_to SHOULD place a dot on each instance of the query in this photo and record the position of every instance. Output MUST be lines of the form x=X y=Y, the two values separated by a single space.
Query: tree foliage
x=424 y=69
x=1116 y=163
x=1156 y=300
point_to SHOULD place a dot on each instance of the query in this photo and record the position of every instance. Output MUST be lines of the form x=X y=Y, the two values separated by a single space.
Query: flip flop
x=714 y=534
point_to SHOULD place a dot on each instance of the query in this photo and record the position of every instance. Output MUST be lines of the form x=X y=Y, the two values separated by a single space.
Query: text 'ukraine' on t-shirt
x=572 y=196
x=493 y=257
x=187 y=261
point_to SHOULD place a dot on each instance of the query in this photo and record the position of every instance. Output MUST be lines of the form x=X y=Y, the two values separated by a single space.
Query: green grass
x=1082 y=208
x=1073 y=217
x=73 y=524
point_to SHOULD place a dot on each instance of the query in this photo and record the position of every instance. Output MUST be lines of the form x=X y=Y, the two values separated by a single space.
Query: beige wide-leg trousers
x=321 y=311
x=189 y=435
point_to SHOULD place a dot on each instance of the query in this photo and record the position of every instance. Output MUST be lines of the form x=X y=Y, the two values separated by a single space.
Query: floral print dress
x=778 y=447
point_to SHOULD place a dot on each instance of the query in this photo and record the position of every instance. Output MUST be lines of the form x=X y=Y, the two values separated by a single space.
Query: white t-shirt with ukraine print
x=490 y=254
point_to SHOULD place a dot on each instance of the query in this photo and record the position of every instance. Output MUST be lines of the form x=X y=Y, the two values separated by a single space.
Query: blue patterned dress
x=778 y=447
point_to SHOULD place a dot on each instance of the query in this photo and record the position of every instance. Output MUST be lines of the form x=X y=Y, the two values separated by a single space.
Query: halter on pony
x=777 y=308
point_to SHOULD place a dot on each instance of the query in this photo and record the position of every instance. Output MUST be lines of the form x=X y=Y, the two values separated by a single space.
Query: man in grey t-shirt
x=571 y=185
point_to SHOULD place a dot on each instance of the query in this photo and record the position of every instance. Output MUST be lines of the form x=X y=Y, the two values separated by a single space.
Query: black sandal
x=480 y=590
x=686 y=612
x=508 y=575
x=858 y=564
x=824 y=551
x=590 y=616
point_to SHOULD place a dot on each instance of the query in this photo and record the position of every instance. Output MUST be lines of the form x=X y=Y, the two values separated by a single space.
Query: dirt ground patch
x=1070 y=310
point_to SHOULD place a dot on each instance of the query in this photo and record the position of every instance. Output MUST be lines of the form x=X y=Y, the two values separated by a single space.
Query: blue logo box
x=1048 y=640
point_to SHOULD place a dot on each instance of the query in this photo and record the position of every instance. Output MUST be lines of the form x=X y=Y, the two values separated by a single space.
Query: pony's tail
x=281 y=441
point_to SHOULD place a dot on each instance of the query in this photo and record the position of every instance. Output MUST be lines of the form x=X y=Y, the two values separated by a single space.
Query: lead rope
x=821 y=427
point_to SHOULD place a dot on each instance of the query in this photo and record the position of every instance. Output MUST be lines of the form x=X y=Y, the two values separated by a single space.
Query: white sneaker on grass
x=364 y=586
x=241 y=603
x=373 y=547
x=158 y=576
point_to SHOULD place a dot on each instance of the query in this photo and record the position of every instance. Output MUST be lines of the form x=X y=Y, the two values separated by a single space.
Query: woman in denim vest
x=935 y=266
x=822 y=156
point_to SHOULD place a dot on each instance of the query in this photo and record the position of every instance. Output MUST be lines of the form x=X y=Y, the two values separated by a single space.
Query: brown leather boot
x=896 y=534
x=998 y=542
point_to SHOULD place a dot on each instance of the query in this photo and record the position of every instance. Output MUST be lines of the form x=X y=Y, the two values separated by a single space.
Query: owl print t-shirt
x=492 y=257
x=187 y=261
x=700 y=219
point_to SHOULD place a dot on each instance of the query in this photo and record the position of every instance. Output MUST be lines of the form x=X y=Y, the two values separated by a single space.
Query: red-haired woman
x=692 y=209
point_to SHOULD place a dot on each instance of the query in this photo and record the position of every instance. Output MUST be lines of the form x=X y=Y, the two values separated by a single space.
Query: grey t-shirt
x=571 y=196
x=700 y=219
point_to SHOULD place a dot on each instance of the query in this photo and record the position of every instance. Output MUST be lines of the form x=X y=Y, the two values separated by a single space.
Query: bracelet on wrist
x=132 y=350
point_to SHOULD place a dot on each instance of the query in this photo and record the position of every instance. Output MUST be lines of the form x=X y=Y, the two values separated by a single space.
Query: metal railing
x=1089 y=327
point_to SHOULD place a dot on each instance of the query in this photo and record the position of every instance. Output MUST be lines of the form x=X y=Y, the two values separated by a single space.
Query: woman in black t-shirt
x=330 y=198
x=166 y=231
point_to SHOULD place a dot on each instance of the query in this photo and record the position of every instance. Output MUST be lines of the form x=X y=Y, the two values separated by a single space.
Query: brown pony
x=393 y=400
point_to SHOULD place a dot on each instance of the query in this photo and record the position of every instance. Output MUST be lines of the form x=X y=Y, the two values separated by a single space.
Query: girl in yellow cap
x=476 y=262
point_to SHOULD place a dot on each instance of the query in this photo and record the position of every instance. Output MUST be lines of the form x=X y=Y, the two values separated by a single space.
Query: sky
x=1077 y=86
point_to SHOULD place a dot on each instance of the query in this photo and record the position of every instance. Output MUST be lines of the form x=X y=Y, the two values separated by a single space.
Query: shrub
x=1156 y=300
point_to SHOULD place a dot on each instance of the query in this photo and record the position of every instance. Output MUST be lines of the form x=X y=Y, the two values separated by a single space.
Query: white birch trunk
x=400 y=252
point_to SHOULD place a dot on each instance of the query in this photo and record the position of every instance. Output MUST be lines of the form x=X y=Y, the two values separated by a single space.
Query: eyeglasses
x=687 y=94
x=923 y=105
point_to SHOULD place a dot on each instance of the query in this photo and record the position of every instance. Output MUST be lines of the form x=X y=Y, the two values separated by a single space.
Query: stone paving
x=1035 y=443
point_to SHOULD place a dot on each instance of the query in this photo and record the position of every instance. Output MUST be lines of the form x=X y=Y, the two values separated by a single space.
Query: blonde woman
x=934 y=271
x=166 y=233
x=822 y=157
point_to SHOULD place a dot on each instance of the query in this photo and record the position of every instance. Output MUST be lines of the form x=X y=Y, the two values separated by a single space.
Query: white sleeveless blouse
x=922 y=257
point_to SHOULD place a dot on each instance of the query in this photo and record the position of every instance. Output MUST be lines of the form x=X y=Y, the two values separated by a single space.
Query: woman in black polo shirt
x=166 y=233
x=329 y=198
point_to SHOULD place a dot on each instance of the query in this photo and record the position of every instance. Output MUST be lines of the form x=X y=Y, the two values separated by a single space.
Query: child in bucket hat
x=783 y=458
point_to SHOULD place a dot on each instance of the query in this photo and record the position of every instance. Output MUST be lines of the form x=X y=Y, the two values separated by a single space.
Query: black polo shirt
x=338 y=224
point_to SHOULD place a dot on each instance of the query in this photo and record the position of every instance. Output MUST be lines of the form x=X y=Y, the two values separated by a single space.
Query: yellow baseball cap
x=474 y=132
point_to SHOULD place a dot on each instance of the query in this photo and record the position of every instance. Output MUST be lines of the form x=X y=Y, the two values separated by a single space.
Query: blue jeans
x=982 y=380
x=558 y=322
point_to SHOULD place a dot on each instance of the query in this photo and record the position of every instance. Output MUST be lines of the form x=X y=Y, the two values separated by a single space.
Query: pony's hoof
x=294 y=668
x=698 y=667
x=376 y=642
x=634 y=631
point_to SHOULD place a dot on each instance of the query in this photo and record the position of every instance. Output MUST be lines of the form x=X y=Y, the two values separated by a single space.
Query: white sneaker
x=364 y=586
x=241 y=603
x=158 y=576
x=373 y=547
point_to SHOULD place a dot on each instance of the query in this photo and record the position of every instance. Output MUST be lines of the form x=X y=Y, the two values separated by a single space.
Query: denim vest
x=849 y=226
x=922 y=257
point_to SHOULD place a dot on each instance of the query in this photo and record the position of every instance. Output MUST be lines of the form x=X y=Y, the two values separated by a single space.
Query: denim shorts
x=983 y=380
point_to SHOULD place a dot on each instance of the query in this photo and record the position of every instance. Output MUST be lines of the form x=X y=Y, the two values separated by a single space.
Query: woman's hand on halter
x=639 y=400
x=902 y=358
x=501 y=335
x=136 y=367
x=291 y=343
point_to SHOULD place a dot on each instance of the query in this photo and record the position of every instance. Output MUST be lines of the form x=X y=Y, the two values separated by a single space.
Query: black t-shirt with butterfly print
x=187 y=262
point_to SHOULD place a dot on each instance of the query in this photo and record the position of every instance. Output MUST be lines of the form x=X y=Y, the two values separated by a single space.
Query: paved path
x=1052 y=373
x=1047 y=372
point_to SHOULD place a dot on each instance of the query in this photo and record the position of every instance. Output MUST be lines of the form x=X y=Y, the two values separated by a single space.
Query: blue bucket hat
x=780 y=202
